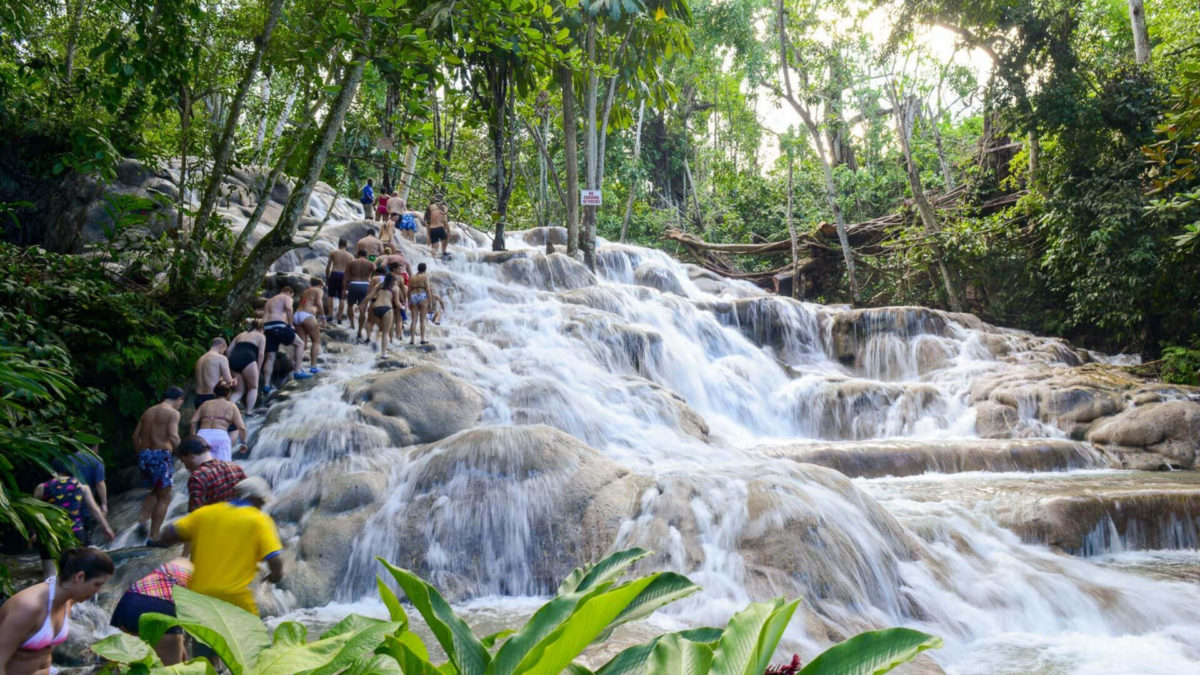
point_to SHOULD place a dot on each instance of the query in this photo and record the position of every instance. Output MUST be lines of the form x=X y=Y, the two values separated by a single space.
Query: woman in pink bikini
x=33 y=621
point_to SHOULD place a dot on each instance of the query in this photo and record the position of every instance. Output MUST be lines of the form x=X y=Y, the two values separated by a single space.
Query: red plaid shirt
x=160 y=582
x=213 y=482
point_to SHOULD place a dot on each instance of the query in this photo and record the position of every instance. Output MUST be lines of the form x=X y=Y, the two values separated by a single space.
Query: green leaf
x=593 y=615
x=237 y=636
x=395 y=609
x=290 y=633
x=410 y=662
x=545 y=620
x=490 y=641
x=612 y=566
x=365 y=636
x=751 y=637
x=193 y=667
x=872 y=652
x=673 y=655
x=633 y=660
x=376 y=664
x=666 y=588
x=125 y=649
x=462 y=647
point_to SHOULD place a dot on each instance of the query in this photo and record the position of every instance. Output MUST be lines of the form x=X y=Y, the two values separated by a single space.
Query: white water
x=598 y=361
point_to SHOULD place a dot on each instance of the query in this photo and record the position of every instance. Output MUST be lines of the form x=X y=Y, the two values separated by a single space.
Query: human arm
x=102 y=496
x=137 y=437
x=90 y=501
x=174 y=429
x=275 y=565
x=195 y=493
x=196 y=419
x=169 y=536
x=226 y=374
x=239 y=423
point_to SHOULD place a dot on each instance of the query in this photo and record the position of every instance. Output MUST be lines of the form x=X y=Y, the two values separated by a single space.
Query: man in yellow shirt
x=228 y=541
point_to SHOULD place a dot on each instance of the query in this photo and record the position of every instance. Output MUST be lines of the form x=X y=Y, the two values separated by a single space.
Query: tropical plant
x=591 y=602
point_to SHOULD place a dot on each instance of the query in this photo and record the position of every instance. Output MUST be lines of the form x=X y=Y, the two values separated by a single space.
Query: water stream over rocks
x=893 y=466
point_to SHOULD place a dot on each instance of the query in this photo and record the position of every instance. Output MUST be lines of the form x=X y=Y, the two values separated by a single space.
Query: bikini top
x=45 y=637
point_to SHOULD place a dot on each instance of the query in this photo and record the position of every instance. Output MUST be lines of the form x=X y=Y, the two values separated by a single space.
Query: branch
x=541 y=144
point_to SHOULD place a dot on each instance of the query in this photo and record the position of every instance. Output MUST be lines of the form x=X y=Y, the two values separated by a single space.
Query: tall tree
x=1141 y=36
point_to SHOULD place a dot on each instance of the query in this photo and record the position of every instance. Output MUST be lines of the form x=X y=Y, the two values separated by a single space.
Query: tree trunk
x=591 y=159
x=637 y=165
x=905 y=114
x=248 y=278
x=943 y=162
x=224 y=150
x=73 y=37
x=264 y=92
x=282 y=122
x=410 y=169
x=1141 y=37
x=570 y=158
x=498 y=77
x=792 y=231
x=687 y=173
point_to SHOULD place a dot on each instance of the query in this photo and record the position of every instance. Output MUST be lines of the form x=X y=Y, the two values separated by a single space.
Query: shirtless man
x=306 y=321
x=154 y=440
x=391 y=256
x=335 y=279
x=358 y=284
x=211 y=368
x=438 y=224
x=396 y=208
x=277 y=326
x=371 y=245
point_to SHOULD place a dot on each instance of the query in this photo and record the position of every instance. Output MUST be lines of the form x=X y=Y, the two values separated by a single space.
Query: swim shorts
x=133 y=605
x=335 y=284
x=201 y=399
x=157 y=469
x=437 y=234
x=278 y=333
x=357 y=292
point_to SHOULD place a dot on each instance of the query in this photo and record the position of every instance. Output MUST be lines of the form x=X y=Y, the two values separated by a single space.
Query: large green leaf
x=633 y=660
x=395 y=609
x=290 y=633
x=466 y=653
x=751 y=637
x=366 y=635
x=589 y=576
x=872 y=652
x=125 y=649
x=593 y=615
x=237 y=636
x=667 y=588
x=674 y=655
x=193 y=667
x=376 y=664
x=543 y=622
x=410 y=662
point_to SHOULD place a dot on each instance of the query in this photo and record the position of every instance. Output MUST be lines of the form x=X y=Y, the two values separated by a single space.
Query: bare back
x=211 y=369
x=158 y=429
x=310 y=300
x=218 y=413
x=435 y=216
x=360 y=269
x=338 y=260
x=279 y=308
x=370 y=244
x=253 y=337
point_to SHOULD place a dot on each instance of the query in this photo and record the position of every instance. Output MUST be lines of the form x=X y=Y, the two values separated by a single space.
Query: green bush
x=591 y=602
x=1181 y=365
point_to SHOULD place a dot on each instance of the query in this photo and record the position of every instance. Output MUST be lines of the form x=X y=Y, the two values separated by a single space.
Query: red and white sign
x=590 y=198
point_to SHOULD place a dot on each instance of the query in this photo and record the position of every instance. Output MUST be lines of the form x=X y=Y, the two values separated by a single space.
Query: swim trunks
x=278 y=333
x=408 y=223
x=335 y=284
x=157 y=469
x=357 y=292
x=417 y=298
x=437 y=234
x=201 y=399
x=242 y=355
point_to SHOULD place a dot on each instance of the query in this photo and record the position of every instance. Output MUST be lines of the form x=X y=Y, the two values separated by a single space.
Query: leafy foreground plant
x=591 y=602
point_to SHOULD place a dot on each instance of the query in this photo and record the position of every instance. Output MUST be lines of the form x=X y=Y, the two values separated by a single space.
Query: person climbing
x=387 y=229
x=212 y=421
x=154 y=439
x=371 y=244
x=396 y=207
x=368 y=198
x=381 y=207
x=228 y=541
x=153 y=593
x=335 y=279
x=212 y=480
x=87 y=467
x=419 y=291
x=69 y=494
x=435 y=309
x=36 y=619
x=277 y=327
x=390 y=256
x=212 y=367
x=385 y=305
x=358 y=284
x=438 y=225
x=365 y=316
x=246 y=361
x=397 y=271
x=307 y=325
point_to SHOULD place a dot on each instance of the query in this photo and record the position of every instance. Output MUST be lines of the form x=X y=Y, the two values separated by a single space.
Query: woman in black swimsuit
x=385 y=303
x=245 y=359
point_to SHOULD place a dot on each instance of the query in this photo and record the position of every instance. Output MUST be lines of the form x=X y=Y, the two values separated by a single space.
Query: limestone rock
x=658 y=276
x=552 y=272
x=1154 y=436
x=537 y=236
x=996 y=420
x=417 y=405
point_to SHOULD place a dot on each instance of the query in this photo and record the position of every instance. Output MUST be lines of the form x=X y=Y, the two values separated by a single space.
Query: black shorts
x=133 y=605
x=242 y=355
x=437 y=234
x=357 y=292
x=278 y=333
x=335 y=284
x=201 y=399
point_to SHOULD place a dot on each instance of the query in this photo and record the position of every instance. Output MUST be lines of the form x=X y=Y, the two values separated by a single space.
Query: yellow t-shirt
x=228 y=540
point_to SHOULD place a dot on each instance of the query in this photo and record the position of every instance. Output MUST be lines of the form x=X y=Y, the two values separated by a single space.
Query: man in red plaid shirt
x=212 y=479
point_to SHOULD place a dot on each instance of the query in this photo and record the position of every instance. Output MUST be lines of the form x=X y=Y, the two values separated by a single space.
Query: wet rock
x=1155 y=436
x=417 y=405
x=877 y=458
x=554 y=272
x=537 y=236
x=347 y=491
x=996 y=420
x=321 y=558
x=781 y=324
x=1126 y=520
x=658 y=276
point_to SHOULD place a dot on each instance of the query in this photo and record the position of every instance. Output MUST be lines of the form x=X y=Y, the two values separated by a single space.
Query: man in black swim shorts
x=358 y=283
x=277 y=325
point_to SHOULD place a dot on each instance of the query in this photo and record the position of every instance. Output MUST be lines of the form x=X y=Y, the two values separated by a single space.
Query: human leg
x=313 y=329
x=162 y=498
x=385 y=332
x=170 y=649
x=250 y=379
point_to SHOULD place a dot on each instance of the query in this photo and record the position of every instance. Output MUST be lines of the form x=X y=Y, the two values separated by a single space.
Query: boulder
x=417 y=405
x=996 y=420
x=554 y=272
x=1154 y=436
x=537 y=236
x=658 y=276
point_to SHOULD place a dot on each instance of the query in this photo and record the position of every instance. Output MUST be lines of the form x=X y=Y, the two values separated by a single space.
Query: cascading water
x=655 y=405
